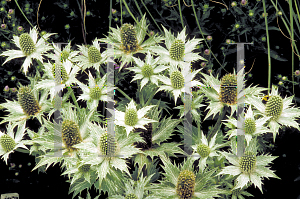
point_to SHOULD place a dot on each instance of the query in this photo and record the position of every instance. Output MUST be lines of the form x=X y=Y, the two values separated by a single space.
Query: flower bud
x=20 y=28
x=209 y=38
x=228 y=41
x=233 y=4
x=244 y=2
x=113 y=11
x=207 y=51
x=6 y=88
x=3 y=26
x=297 y=73
x=203 y=64
x=284 y=78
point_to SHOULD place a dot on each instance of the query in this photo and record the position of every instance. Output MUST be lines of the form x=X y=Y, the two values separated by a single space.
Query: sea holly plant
x=251 y=167
x=75 y=135
x=29 y=48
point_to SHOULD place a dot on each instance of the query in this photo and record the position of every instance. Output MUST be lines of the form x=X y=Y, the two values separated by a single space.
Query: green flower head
x=186 y=184
x=27 y=44
x=27 y=101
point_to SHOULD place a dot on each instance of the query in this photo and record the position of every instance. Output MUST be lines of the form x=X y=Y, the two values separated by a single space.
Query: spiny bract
x=228 y=92
x=107 y=144
x=27 y=101
x=131 y=196
x=203 y=150
x=177 y=50
x=177 y=80
x=147 y=70
x=249 y=126
x=26 y=44
x=146 y=135
x=7 y=143
x=186 y=184
x=63 y=73
x=247 y=162
x=128 y=37
x=94 y=54
x=70 y=134
x=95 y=93
x=274 y=106
x=131 y=117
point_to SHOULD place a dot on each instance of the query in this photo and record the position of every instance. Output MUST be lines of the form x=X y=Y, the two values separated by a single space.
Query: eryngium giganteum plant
x=93 y=152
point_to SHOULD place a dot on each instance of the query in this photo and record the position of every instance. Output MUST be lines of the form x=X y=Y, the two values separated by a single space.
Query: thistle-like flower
x=179 y=51
x=184 y=182
x=11 y=141
x=204 y=149
x=249 y=167
x=29 y=48
x=129 y=40
x=132 y=118
x=251 y=127
x=95 y=91
x=176 y=82
x=279 y=110
x=65 y=54
x=148 y=70
x=68 y=77
x=107 y=153
x=91 y=57
x=29 y=105
x=224 y=93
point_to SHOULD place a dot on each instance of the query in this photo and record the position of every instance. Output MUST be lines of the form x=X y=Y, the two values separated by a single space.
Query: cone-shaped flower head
x=177 y=80
x=70 y=134
x=147 y=70
x=7 y=143
x=94 y=54
x=95 y=93
x=26 y=44
x=107 y=144
x=250 y=126
x=186 y=184
x=131 y=196
x=131 y=117
x=177 y=50
x=27 y=101
x=65 y=54
x=228 y=92
x=203 y=150
x=274 y=106
x=128 y=37
x=64 y=74
x=247 y=162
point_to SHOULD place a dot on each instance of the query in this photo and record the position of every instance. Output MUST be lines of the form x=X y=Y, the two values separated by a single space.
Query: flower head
x=29 y=48
x=129 y=40
x=132 y=118
x=250 y=167
x=91 y=57
x=279 y=110
x=251 y=127
x=227 y=92
x=10 y=140
x=183 y=182
x=177 y=80
x=179 y=51
x=95 y=91
x=148 y=70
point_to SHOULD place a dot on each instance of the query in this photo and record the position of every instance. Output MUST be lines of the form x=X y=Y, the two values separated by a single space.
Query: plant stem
x=150 y=98
x=124 y=94
x=217 y=125
x=268 y=42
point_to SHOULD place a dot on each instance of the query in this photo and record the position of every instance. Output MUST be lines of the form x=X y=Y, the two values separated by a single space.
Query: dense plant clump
x=118 y=117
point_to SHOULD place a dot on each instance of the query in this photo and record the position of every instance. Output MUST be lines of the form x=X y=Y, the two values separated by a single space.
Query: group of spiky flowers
x=108 y=146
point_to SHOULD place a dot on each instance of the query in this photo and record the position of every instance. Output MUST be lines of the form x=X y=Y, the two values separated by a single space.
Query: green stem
x=268 y=43
x=217 y=125
x=292 y=37
x=150 y=98
x=73 y=97
x=124 y=94
x=137 y=5
x=179 y=7
x=152 y=16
